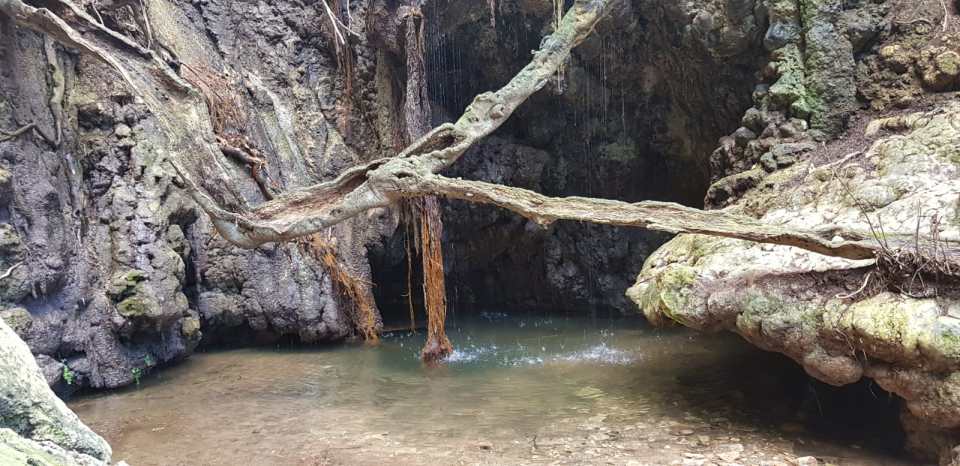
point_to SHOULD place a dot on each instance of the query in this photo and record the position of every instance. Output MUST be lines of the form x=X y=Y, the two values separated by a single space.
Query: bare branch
x=652 y=215
x=10 y=270
x=9 y=135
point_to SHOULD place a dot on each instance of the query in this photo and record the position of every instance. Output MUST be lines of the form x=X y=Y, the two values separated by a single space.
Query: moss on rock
x=18 y=319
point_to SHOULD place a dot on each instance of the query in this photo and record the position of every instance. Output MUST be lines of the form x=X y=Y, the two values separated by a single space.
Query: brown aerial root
x=438 y=345
x=228 y=120
x=355 y=290
x=413 y=316
x=345 y=60
x=241 y=150
x=919 y=272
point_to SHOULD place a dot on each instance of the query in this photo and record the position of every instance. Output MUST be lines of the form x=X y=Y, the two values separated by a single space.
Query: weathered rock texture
x=892 y=172
x=113 y=270
x=35 y=426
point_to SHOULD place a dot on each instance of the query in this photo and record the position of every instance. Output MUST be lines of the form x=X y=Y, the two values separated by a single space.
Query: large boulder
x=840 y=319
x=34 y=423
x=16 y=450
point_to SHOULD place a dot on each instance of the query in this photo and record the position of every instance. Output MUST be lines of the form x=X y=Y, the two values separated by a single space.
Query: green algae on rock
x=832 y=315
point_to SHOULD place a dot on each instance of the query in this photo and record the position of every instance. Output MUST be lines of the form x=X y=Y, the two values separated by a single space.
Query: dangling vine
x=557 y=16
x=355 y=291
x=438 y=345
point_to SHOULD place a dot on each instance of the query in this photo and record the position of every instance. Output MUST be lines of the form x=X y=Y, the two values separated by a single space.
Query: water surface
x=519 y=389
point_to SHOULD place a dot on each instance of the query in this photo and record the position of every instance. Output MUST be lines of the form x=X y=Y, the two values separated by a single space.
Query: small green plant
x=149 y=361
x=68 y=375
x=137 y=374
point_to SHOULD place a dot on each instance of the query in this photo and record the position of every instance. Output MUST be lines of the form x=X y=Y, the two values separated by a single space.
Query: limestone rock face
x=34 y=423
x=837 y=318
x=113 y=269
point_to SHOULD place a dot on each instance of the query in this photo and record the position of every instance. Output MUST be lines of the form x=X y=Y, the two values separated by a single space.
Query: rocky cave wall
x=111 y=269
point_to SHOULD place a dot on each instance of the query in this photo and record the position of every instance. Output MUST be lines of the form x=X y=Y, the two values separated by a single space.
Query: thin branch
x=946 y=15
x=10 y=270
x=7 y=136
x=333 y=22
x=866 y=280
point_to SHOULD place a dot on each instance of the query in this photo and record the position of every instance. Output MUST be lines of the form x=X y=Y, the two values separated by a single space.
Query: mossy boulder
x=831 y=315
x=30 y=409
x=124 y=284
x=131 y=291
x=190 y=328
x=939 y=68
x=790 y=87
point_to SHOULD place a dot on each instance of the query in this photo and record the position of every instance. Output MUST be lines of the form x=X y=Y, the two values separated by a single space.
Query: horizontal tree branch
x=651 y=215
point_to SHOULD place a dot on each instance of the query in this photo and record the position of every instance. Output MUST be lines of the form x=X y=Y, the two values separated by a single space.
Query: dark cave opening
x=618 y=124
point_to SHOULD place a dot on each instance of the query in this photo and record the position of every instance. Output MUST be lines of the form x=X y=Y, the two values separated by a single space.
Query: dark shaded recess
x=784 y=398
x=639 y=113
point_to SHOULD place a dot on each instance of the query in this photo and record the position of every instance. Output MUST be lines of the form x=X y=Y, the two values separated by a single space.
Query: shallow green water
x=518 y=389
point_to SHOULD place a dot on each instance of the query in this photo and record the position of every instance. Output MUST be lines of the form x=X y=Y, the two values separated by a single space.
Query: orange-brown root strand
x=438 y=345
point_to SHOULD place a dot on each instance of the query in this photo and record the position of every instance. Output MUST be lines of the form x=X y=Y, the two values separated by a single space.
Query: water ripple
x=598 y=354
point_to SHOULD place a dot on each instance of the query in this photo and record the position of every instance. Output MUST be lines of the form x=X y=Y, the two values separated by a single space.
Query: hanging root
x=413 y=316
x=923 y=271
x=557 y=17
x=438 y=345
x=57 y=90
x=229 y=119
x=144 y=20
x=223 y=102
x=355 y=290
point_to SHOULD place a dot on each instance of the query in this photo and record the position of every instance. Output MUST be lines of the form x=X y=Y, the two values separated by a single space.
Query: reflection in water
x=518 y=389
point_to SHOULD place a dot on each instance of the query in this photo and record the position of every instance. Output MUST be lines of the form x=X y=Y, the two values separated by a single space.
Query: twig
x=93 y=6
x=249 y=156
x=146 y=24
x=841 y=162
x=946 y=15
x=10 y=270
x=916 y=235
x=333 y=22
x=57 y=90
x=6 y=136
x=859 y=290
